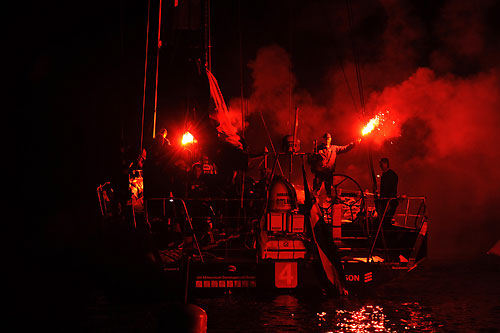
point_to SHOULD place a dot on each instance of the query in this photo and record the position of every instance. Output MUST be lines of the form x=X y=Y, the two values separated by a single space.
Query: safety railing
x=409 y=213
x=418 y=217
x=414 y=212
x=219 y=210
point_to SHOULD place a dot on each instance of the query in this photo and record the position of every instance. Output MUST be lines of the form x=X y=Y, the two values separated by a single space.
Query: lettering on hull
x=352 y=277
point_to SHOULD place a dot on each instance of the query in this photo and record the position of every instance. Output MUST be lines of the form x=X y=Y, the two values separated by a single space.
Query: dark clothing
x=389 y=184
x=136 y=167
x=388 y=195
x=323 y=177
x=197 y=188
x=391 y=209
x=324 y=165
x=209 y=168
x=158 y=171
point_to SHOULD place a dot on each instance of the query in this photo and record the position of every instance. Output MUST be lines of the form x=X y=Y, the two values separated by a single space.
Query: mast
x=242 y=102
x=293 y=127
x=157 y=64
x=145 y=73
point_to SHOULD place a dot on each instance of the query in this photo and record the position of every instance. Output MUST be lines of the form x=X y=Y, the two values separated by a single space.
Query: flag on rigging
x=221 y=115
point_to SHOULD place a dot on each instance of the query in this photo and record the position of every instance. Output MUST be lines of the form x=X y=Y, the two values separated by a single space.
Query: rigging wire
x=356 y=58
x=360 y=89
x=157 y=64
x=208 y=44
x=145 y=73
x=339 y=60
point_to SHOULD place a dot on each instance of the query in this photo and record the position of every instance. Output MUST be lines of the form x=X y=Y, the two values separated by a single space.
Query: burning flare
x=187 y=138
x=375 y=122
x=372 y=124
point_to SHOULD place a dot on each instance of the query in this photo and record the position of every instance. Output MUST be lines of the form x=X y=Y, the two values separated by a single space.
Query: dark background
x=79 y=71
x=74 y=103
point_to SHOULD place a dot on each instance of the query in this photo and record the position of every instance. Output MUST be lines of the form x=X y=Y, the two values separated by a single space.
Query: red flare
x=187 y=138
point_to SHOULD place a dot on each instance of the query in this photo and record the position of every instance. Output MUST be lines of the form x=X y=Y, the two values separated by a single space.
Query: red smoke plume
x=447 y=148
x=446 y=126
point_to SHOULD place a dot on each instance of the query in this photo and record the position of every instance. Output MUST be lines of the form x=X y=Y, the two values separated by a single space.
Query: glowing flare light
x=187 y=138
x=373 y=123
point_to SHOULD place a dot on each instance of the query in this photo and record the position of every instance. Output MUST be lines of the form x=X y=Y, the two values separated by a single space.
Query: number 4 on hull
x=285 y=274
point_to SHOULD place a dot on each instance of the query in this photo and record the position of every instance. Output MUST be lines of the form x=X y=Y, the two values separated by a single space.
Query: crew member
x=158 y=167
x=207 y=167
x=138 y=164
x=196 y=182
x=163 y=136
x=324 y=165
x=388 y=192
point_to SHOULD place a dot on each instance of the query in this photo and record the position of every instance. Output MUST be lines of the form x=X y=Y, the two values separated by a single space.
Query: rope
x=145 y=72
x=356 y=58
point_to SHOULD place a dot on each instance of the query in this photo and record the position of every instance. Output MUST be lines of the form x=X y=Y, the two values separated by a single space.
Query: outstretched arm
x=346 y=148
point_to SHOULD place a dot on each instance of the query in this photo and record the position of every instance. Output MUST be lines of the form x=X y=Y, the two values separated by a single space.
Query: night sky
x=433 y=63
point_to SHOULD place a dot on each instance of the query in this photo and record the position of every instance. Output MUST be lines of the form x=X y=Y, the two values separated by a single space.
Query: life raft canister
x=282 y=196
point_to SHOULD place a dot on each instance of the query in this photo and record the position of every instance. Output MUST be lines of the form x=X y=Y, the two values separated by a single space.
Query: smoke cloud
x=442 y=127
x=446 y=150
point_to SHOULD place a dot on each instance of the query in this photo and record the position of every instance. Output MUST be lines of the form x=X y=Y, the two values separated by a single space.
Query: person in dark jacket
x=138 y=164
x=388 y=192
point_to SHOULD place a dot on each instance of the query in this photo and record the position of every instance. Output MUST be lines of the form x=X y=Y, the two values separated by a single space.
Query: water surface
x=438 y=296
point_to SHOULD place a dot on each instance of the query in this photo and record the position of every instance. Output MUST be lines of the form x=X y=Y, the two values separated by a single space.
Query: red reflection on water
x=371 y=318
x=367 y=319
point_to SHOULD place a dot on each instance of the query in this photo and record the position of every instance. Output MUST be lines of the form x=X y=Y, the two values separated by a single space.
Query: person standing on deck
x=157 y=168
x=138 y=164
x=324 y=165
x=388 y=192
x=163 y=136
x=208 y=167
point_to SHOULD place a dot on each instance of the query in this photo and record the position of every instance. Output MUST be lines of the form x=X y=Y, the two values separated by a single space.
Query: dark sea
x=437 y=296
